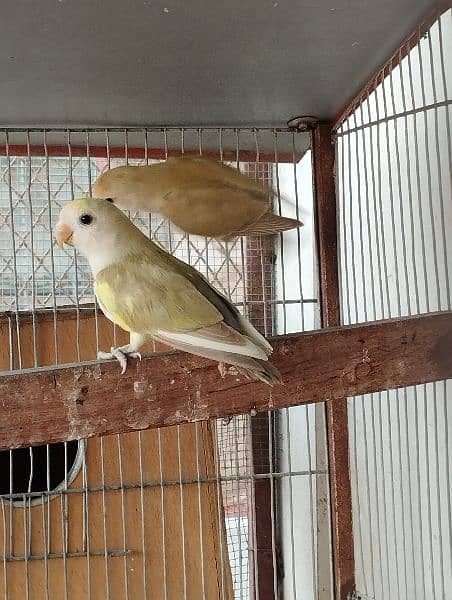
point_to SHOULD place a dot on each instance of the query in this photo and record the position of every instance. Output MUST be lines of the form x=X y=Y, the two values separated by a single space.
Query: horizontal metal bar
x=90 y=308
x=41 y=555
x=138 y=129
x=399 y=115
x=141 y=153
x=157 y=484
x=46 y=405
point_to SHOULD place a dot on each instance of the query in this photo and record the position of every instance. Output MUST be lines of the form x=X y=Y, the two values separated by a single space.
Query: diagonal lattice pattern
x=34 y=274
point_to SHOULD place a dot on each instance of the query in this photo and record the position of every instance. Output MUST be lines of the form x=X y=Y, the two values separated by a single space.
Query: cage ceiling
x=177 y=62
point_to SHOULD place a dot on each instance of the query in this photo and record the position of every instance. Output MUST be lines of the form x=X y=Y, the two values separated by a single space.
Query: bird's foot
x=222 y=369
x=121 y=355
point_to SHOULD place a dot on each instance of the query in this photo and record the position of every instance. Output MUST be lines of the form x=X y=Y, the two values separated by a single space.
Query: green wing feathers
x=145 y=298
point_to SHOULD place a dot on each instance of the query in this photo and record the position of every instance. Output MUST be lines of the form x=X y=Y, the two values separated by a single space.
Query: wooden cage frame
x=354 y=360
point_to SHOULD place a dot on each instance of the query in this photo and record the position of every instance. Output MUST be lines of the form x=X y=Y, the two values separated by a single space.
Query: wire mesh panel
x=149 y=514
x=394 y=172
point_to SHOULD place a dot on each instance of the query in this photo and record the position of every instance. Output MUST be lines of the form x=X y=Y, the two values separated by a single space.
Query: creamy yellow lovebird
x=152 y=294
x=199 y=195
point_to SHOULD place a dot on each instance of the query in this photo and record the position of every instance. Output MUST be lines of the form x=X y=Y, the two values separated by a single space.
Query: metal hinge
x=302 y=123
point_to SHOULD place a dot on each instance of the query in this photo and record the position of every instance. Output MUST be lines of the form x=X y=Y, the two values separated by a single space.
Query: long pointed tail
x=254 y=368
x=270 y=224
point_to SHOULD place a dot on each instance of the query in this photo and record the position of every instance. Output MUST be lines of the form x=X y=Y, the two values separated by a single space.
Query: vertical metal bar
x=182 y=510
x=362 y=274
x=387 y=481
x=257 y=266
x=243 y=252
x=438 y=490
x=441 y=178
x=44 y=501
x=237 y=483
x=146 y=162
x=126 y=146
x=52 y=258
x=107 y=150
x=104 y=518
x=90 y=190
x=380 y=207
x=272 y=504
x=14 y=255
x=27 y=507
x=206 y=240
x=220 y=510
x=358 y=527
x=266 y=250
x=143 y=516
x=64 y=548
x=74 y=253
x=5 y=552
x=123 y=518
x=297 y=214
x=445 y=411
x=200 y=512
x=366 y=315
x=10 y=343
x=86 y=537
x=377 y=491
x=336 y=413
x=427 y=435
x=419 y=488
x=429 y=179
x=324 y=572
x=11 y=487
x=311 y=502
x=32 y=250
x=344 y=288
x=64 y=505
x=410 y=180
x=162 y=508
x=281 y=238
x=27 y=577
x=48 y=527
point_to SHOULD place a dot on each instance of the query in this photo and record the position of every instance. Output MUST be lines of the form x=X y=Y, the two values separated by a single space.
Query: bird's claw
x=120 y=355
x=222 y=369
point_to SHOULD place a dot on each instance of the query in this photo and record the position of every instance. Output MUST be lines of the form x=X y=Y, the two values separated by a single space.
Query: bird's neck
x=152 y=186
x=113 y=251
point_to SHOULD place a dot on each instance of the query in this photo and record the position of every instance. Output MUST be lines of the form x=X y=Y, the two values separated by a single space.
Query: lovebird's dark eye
x=86 y=219
x=109 y=200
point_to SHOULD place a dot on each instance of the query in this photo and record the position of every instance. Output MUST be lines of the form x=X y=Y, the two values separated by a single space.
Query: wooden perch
x=88 y=399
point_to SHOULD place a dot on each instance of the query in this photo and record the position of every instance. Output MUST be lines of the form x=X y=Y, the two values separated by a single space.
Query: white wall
x=300 y=449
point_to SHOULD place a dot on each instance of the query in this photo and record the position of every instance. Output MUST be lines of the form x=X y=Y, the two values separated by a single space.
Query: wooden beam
x=88 y=399
x=336 y=412
x=326 y=220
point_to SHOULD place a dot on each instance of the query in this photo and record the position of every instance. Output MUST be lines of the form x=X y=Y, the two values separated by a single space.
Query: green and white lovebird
x=152 y=294
x=199 y=195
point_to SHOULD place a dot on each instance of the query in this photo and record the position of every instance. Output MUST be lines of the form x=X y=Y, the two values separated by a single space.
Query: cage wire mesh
x=394 y=177
x=273 y=492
